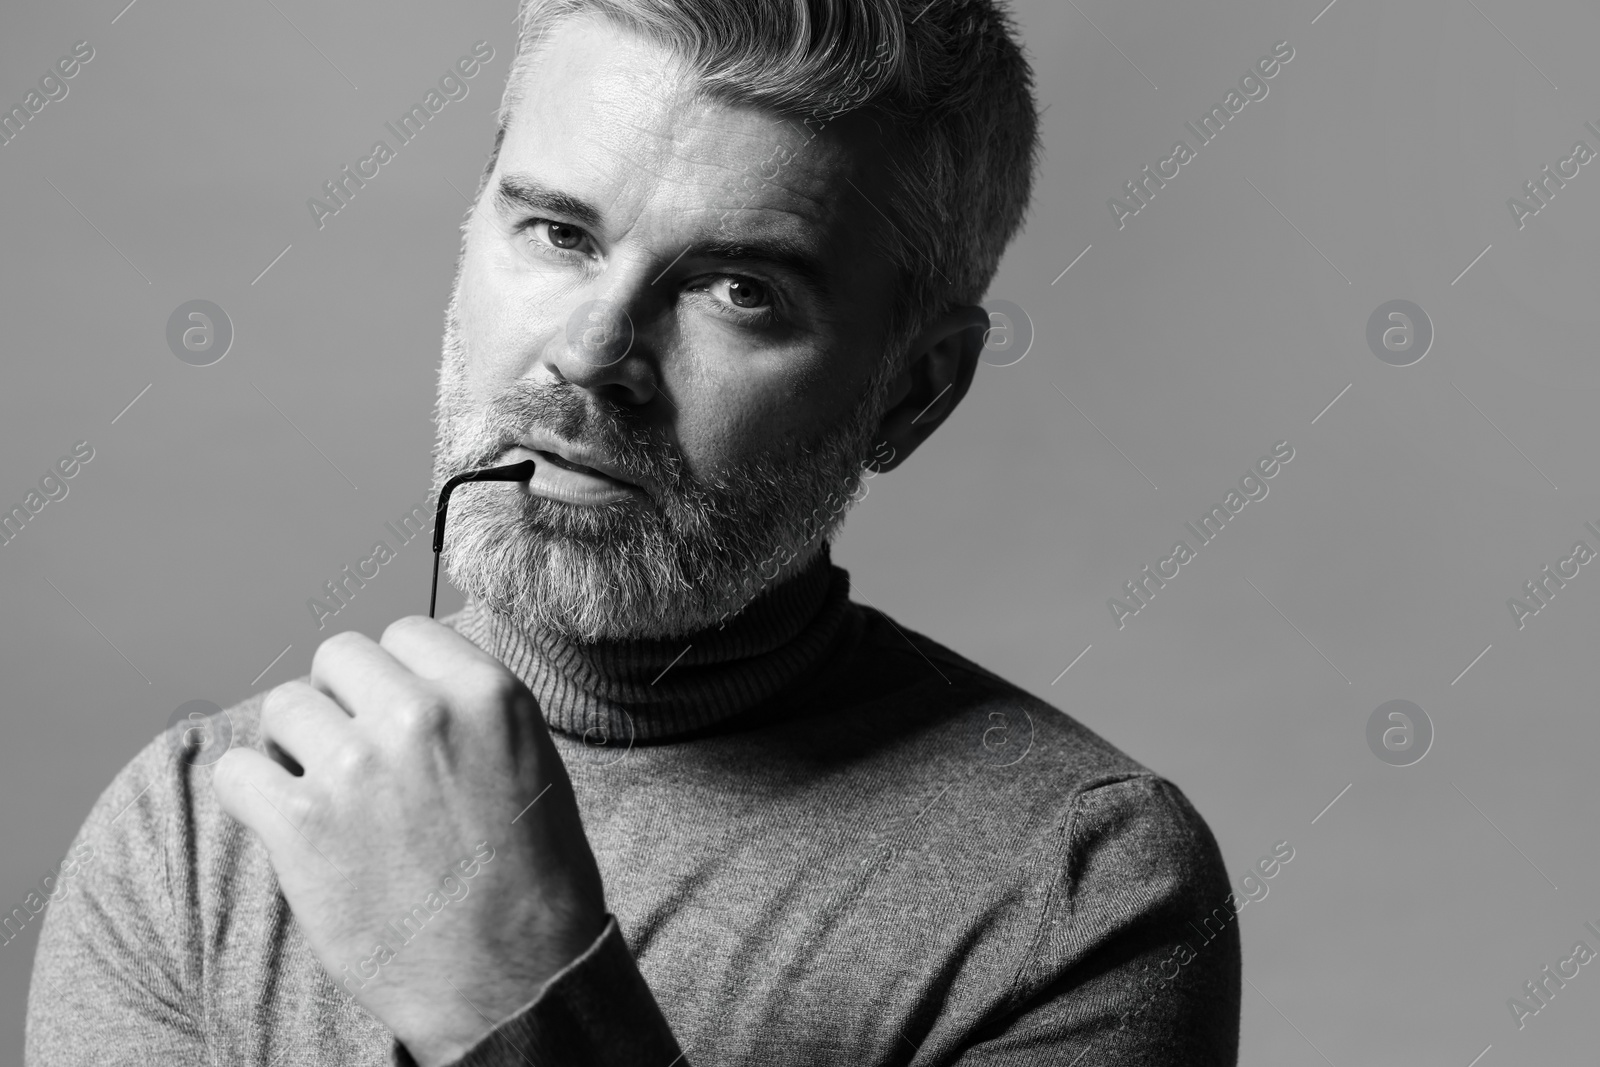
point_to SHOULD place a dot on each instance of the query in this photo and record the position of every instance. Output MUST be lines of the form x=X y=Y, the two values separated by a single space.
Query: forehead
x=614 y=119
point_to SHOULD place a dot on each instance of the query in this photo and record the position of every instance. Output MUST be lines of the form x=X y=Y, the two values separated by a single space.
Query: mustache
x=644 y=454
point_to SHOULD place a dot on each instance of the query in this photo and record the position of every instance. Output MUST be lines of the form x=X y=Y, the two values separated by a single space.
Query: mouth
x=564 y=476
x=566 y=464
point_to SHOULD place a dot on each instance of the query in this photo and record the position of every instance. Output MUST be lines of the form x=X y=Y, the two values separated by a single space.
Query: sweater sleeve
x=597 y=1011
x=1136 y=957
x=109 y=981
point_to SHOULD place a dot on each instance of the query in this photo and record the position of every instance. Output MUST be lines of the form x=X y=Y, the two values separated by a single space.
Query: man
x=661 y=793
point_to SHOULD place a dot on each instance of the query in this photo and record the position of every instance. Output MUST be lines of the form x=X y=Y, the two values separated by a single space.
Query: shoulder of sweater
x=980 y=692
x=883 y=636
x=1093 y=834
x=161 y=814
x=179 y=759
x=1023 y=743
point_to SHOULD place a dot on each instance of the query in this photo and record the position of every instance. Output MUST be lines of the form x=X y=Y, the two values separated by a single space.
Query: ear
x=937 y=374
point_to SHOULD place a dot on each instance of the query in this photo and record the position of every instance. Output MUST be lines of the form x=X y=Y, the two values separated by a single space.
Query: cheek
x=502 y=328
x=733 y=400
x=721 y=416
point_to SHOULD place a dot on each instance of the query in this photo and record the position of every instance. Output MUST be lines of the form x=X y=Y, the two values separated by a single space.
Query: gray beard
x=683 y=562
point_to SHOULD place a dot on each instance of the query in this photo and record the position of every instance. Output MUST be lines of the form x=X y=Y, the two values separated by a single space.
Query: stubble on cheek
x=680 y=561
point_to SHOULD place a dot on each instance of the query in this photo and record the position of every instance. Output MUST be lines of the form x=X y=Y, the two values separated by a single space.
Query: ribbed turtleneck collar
x=618 y=692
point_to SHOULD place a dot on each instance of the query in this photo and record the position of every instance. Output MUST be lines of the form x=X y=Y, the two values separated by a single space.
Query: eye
x=556 y=234
x=744 y=293
x=740 y=299
x=563 y=236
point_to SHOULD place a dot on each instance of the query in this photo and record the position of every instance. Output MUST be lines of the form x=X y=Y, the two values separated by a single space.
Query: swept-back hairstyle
x=945 y=79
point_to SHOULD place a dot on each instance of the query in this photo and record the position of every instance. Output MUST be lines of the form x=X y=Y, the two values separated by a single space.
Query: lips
x=566 y=464
x=570 y=474
x=574 y=458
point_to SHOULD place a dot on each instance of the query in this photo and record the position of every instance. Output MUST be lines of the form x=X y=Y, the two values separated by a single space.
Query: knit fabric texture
x=824 y=839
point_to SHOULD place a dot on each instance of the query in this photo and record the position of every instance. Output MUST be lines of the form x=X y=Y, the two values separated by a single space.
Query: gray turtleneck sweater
x=823 y=838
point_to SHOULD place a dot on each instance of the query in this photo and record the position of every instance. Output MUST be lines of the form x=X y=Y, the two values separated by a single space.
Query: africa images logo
x=400 y=932
x=52 y=87
x=52 y=487
x=452 y=86
x=1252 y=86
x=1252 y=486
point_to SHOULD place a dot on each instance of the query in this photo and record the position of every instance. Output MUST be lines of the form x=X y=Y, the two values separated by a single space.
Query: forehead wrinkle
x=802 y=195
x=642 y=100
x=676 y=111
x=677 y=127
x=802 y=172
x=658 y=151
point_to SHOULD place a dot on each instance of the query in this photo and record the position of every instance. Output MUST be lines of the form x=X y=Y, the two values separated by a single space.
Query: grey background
x=1221 y=320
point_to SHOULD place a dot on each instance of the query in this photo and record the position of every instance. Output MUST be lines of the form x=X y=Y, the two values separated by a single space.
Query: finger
x=366 y=680
x=304 y=722
x=267 y=800
x=434 y=651
x=475 y=683
x=256 y=791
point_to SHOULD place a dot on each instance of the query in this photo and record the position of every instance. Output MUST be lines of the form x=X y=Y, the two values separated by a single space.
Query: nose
x=600 y=350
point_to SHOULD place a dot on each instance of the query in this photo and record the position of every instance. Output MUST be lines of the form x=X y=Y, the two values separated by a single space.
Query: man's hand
x=430 y=845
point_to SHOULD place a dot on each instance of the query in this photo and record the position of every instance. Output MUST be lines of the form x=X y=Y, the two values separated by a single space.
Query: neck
x=613 y=693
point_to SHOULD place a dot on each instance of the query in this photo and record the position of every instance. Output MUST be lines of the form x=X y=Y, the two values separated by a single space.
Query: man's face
x=683 y=348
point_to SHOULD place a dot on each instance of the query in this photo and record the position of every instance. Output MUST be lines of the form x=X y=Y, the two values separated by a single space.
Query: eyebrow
x=787 y=255
x=516 y=192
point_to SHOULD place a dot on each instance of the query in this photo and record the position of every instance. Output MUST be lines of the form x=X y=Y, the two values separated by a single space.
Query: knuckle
x=421 y=718
x=224 y=776
x=354 y=761
x=493 y=685
x=494 y=698
x=277 y=701
x=399 y=628
x=305 y=812
x=271 y=705
x=334 y=647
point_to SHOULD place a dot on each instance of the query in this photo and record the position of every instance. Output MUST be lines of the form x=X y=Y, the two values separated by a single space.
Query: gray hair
x=945 y=76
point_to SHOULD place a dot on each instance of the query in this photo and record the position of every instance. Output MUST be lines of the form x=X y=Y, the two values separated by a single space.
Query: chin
x=578 y=574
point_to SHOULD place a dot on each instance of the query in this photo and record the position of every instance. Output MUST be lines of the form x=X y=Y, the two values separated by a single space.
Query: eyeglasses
x=514 y=472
